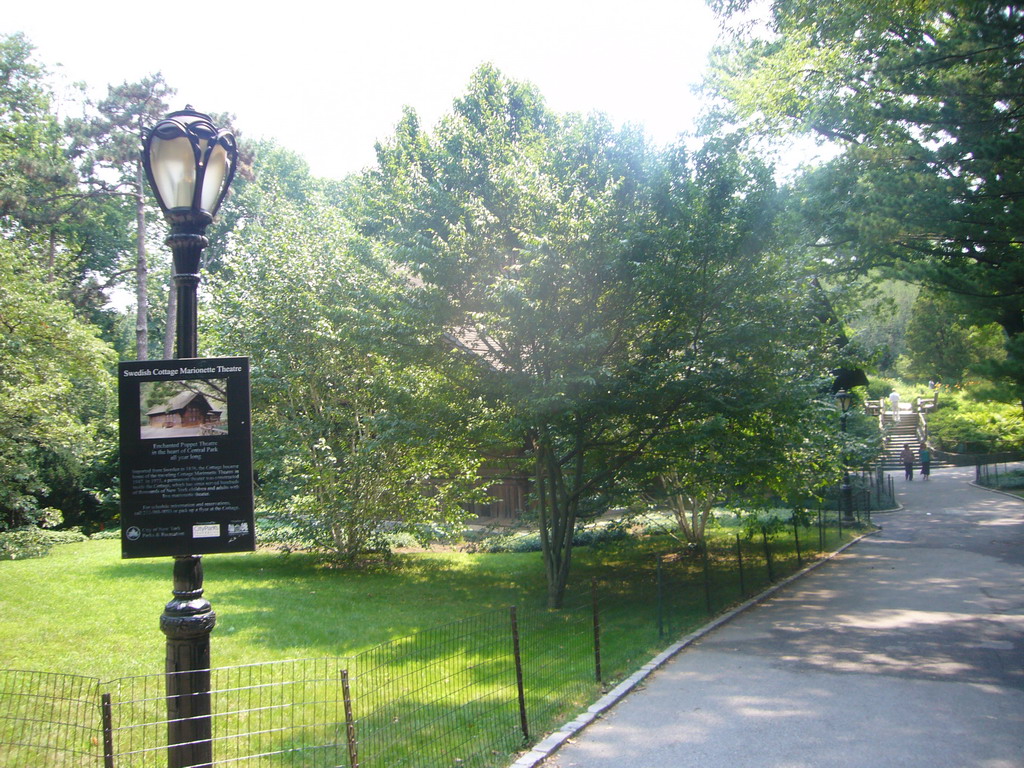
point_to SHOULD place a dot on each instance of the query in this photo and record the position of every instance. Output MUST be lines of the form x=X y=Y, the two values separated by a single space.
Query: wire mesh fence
x=277 y=713
x=49 y=720
x=469 y=693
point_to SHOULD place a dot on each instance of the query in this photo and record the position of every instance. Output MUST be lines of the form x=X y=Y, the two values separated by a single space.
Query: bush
x=964 y=426
x=30 y=541
x=107 y=533
x=589 y=536
x=401 y=540
x=445 y=533
x=512 y=542
x=1013 y=480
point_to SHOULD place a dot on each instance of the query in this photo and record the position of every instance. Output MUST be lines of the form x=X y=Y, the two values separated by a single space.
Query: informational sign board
x=186 y=457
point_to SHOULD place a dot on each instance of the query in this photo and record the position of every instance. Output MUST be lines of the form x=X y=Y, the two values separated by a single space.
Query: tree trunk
x=557 y=513
x=141 y=270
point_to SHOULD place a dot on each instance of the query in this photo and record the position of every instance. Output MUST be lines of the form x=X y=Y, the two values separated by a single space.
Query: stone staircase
x=898 y=434
x=901 y=433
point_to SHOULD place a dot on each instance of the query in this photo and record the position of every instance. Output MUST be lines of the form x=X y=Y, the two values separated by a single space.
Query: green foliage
x=351 y=431
x=967 y=426
x=596 y=535
x=601 y=288
x=878 y=315
x=34 y=172
x=941 y=343
x=30 y=541
x=924 y=100
x=56 y=394
x=1010 y=480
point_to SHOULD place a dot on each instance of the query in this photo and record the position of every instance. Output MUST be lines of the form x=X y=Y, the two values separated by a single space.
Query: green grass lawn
x=428 y=637
x=84 y=610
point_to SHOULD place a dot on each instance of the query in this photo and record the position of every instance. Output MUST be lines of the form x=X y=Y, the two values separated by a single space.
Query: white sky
x=328 y=79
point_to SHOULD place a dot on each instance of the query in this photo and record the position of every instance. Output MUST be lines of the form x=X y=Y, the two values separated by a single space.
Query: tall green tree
x=924 y=100
x=34 y=171
x=353 y=434
x=113 y=166
x=603 y=288
x=56 y=395
x=943 y=345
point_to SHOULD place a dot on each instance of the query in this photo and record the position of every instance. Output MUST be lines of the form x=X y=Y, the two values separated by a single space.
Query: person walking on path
x=925 y=455
x=905 y=650
x=894 y=398
x=907 y=457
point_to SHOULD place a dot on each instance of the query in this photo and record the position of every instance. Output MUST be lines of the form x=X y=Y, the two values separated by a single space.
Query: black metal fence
x=872 y=490
x=469 y=693
x=998 y=474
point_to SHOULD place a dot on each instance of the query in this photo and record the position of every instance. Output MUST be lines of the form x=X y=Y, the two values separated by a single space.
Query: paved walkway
x=906 y=650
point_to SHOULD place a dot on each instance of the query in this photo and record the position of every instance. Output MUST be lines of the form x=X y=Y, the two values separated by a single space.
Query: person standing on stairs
x=894 y=398
x=907 y=457
x=925 y=456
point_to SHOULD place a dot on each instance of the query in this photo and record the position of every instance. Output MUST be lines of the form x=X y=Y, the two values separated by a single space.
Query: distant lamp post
x=844 y=401
x=190 y=164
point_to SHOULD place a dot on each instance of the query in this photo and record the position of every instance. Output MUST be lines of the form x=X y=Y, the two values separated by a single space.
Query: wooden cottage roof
x=179 y=402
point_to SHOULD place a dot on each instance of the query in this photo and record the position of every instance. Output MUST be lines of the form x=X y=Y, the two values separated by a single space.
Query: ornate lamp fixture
x=190 y=164
x=844 y=400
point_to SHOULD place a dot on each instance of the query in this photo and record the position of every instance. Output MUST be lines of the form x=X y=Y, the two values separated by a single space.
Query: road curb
x=996 y=490
x=550 y=744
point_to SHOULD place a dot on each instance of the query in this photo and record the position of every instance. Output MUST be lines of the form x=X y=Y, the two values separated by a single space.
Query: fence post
x=350 y=722
x=597 y=631
x=767 y=553
x=739 y=561
x=106 y=711
x=707 y=576
x=821 y=531
x=796 y=541
x=661 y=601
x=524 y=725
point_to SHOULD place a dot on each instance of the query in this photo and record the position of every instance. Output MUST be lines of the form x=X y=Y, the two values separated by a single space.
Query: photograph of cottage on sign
x=183 y=409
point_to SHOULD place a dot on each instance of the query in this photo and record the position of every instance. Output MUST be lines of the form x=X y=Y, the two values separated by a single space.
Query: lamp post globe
x=190 y=164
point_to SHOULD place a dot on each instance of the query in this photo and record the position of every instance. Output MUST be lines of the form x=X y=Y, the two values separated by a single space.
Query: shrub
x=107 y=533
x=588 y=536
x=30 y=541
x=969 y=427
x=401 y=540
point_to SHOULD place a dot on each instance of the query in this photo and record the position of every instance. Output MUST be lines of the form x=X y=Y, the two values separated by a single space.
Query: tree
x=56 y=395
x=353 y=436
x=34 y=172
x=925 y=101
x=776 y=443
x=115 y=136
x=941 y=342
x=603 y=288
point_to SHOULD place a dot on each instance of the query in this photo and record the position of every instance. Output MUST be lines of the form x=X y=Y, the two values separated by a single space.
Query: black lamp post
x=190 y=164
x=844 y=400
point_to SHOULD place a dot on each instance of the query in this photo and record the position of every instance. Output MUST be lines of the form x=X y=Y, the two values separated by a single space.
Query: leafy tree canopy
x=925 y=99
x=604 y=288
x=56 y=393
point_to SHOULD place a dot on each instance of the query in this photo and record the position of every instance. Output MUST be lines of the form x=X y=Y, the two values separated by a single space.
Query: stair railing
x=922 y=429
